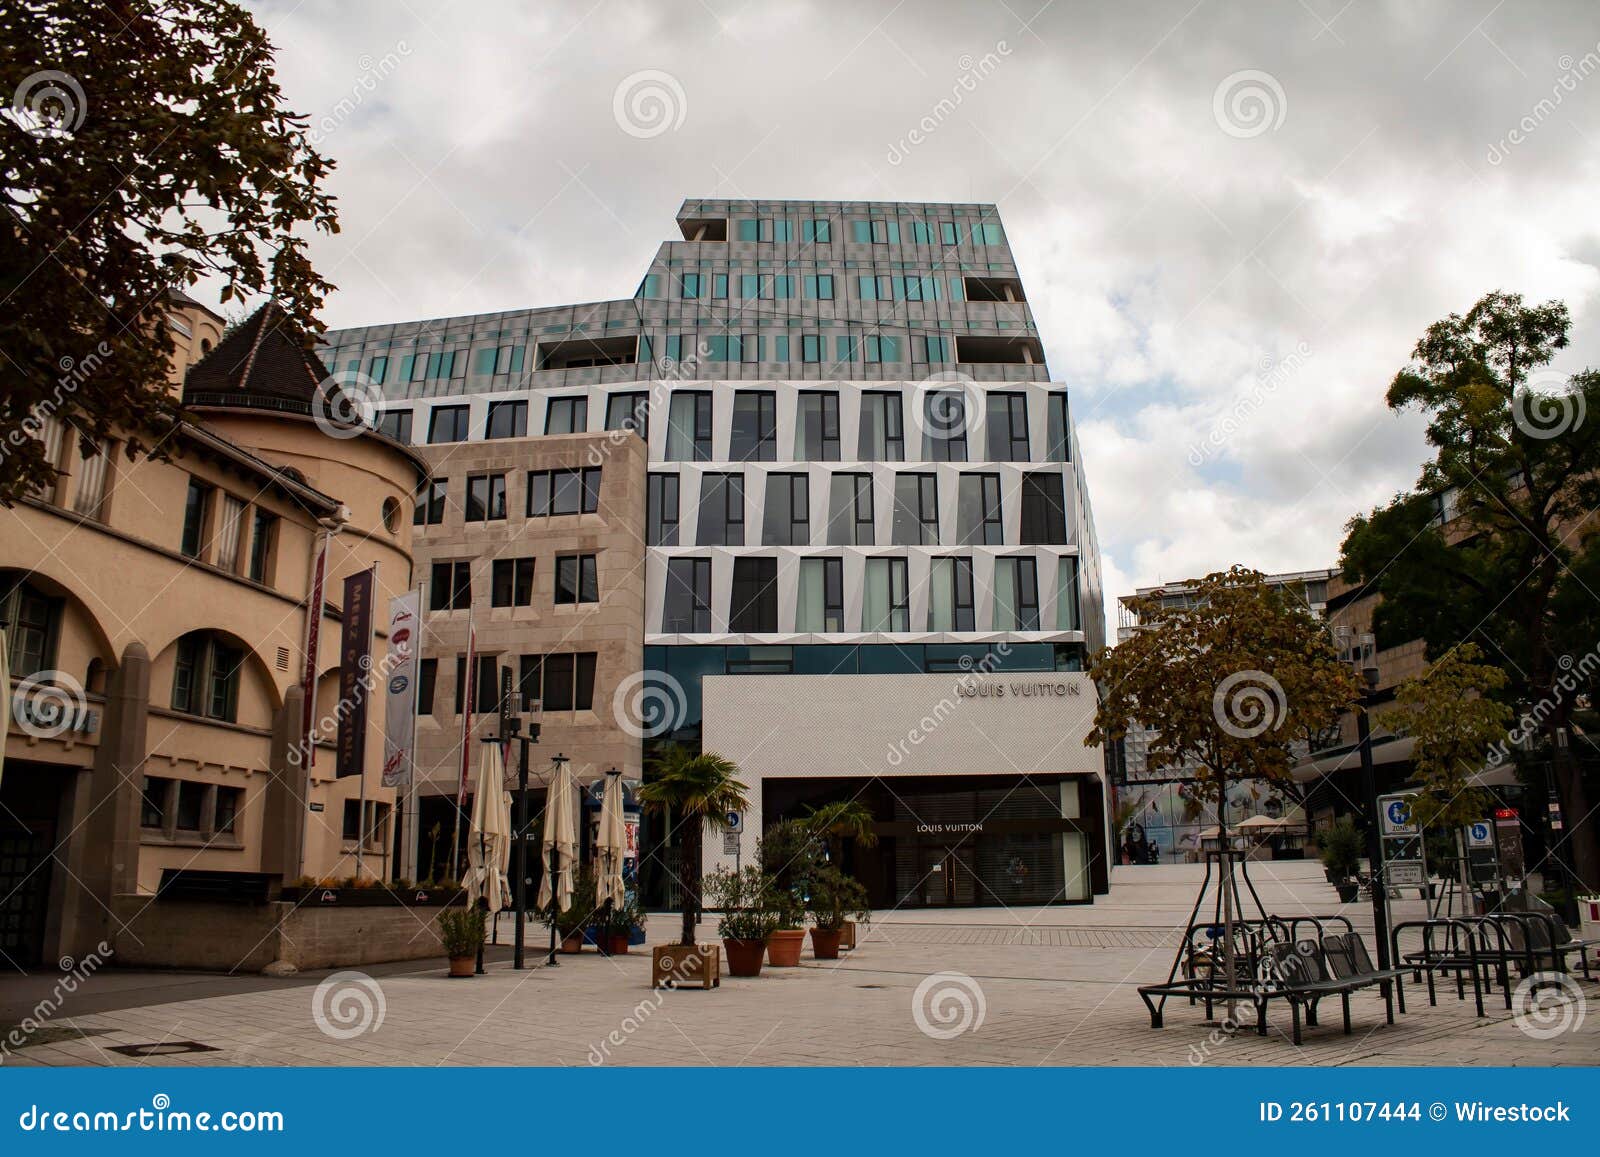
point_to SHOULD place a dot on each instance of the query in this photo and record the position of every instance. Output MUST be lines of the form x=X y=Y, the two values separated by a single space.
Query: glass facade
x=856 y=465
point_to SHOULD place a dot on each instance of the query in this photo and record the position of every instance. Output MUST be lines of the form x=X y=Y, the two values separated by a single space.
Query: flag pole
x=365 y=688
x=411 y=827
x=469 y=693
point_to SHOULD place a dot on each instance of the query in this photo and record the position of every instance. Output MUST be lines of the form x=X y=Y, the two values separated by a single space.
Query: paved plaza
x=995 y=986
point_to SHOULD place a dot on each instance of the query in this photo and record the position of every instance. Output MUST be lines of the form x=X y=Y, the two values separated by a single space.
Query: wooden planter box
x=847 y=936
x=383 y=897
x=686 y=966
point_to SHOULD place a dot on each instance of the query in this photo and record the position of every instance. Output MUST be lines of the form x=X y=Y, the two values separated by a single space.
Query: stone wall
x=248 y=937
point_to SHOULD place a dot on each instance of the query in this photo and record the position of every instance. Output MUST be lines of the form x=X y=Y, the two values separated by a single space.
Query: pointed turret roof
x=266 y=361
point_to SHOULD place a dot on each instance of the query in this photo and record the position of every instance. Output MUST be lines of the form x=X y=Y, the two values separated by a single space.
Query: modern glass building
x=862 y=489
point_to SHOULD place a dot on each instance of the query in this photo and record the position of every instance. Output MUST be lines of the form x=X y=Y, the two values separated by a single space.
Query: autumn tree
x=1495 y=544
x=147 y=148
x=1236 y=681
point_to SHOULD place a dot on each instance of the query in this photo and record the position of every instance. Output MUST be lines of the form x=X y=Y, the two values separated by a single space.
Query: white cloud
x=1167 y=261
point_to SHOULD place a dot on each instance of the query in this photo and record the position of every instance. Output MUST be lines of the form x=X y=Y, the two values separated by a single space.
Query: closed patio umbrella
x=5 y=684
x=610 y=845
x=489 y=841
x=560 y=838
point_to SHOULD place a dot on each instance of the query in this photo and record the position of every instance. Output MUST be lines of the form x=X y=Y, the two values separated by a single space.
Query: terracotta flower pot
x=572 y=945
x=462 y=965
x=825 y=943
x=617 y=944
x=744 y=956
x=783 y=947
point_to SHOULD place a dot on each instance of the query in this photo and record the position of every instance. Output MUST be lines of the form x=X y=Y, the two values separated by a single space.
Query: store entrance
x=947 y=875
x=30 y=801
x=965 y=840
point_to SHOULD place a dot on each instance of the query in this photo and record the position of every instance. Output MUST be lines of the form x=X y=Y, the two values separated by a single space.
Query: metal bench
x=1305 y=972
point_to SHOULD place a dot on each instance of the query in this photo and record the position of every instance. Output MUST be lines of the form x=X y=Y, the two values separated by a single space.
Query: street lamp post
x=550 y=867
x=1362 y=655
x=512 y=708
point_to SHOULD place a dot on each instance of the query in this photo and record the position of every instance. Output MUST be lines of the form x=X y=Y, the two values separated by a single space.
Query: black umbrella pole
x=552 y=962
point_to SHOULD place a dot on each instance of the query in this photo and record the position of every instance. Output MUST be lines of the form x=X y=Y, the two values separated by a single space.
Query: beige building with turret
x=157 y=610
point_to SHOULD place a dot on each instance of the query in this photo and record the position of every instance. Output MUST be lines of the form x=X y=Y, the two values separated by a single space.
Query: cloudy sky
x=1234 y=220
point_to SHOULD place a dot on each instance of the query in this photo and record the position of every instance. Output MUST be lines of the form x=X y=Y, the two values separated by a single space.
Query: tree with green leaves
x=1451 y=714
x=148 y=147
x=845 y=819
x=1236 y=681
x=1496 y=542
x=693 y=790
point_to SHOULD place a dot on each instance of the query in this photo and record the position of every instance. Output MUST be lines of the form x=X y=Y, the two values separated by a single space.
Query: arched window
x=205 y=676
x=33 y=625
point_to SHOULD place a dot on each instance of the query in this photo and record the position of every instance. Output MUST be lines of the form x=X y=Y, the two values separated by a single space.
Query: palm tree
x=846 y=819
x=697 y=789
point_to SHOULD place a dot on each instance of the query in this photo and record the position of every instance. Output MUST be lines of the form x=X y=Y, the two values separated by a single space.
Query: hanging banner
x=399 y=733
x=308 y=677
x=355 y=666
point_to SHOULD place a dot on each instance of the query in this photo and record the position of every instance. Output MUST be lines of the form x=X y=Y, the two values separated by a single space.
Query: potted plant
x=1342 y=845
x=691 y=791
x=835 y=899
x=837 y=822
x=462 y=931
x=748 y=918
x=790 y=854
x=614 y=926
x=571 y=922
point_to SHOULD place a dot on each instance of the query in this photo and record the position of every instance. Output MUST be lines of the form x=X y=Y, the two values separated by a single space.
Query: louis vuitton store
x=983 y=790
